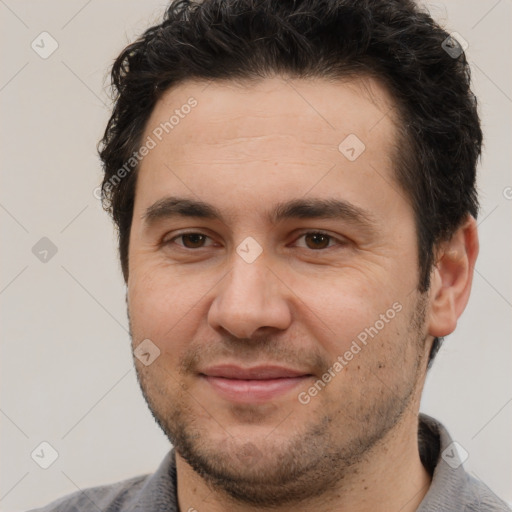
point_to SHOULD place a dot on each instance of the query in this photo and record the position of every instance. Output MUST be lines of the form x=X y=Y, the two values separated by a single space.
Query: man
x=294 y=188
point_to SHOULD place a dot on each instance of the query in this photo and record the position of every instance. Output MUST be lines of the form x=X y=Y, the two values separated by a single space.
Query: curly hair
x=392 y=40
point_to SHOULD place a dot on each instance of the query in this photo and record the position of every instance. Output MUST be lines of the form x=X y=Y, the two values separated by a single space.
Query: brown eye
x=196 y=240
x=190 y=240
x=317 y=240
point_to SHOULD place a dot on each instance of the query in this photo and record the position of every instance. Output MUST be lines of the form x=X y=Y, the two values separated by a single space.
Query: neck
x=390 y=477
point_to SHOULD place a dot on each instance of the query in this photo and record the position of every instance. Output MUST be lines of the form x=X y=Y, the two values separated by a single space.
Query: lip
x=231 y=371
x=257 y=384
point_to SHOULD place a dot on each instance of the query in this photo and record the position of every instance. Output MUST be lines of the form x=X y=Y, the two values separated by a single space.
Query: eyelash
x=322 y=233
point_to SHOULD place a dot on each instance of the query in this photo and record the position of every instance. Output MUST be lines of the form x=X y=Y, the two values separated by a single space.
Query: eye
x=317 y=240
x=190 y=240
x=314 y=240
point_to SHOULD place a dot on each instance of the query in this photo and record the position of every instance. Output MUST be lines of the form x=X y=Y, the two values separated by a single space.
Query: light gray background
x=67 y=374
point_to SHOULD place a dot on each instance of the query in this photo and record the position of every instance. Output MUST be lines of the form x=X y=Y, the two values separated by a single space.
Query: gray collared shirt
x=452 y=488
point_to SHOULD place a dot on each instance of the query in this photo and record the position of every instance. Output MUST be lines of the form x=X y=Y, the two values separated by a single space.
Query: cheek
x=345 y=306
x=163 y=306
x=371 y=350
x=362 y=332
x=374 y=355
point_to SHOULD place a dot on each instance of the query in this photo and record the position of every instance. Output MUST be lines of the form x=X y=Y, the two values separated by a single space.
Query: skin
x=244 y=148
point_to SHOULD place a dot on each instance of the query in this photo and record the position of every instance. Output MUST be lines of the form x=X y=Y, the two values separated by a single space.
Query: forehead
x=321 y=105
x=271 y=137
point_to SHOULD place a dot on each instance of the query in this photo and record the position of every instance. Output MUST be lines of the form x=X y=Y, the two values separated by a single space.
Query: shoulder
x=452 y=488
x=481 y=498
x=107 y=498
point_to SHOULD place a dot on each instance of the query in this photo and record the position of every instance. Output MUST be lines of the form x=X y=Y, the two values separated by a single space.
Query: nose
x=250 y=297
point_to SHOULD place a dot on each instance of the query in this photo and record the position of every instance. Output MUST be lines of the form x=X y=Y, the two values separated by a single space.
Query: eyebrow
x=314 y=208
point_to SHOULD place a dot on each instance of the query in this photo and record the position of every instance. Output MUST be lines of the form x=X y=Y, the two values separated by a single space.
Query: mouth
x=258 y=384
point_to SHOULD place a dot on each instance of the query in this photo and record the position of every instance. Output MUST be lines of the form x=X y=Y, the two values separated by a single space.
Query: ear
x=452 y=277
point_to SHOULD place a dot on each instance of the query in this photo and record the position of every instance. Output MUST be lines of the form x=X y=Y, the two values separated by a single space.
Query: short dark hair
x=392 y=40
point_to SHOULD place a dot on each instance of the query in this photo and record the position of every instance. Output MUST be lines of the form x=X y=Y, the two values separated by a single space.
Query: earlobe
x=452 y=277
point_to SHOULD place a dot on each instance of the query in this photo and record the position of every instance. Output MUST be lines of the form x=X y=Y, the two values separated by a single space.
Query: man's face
x=306 y=302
